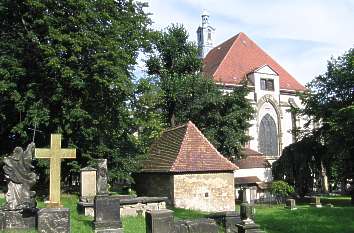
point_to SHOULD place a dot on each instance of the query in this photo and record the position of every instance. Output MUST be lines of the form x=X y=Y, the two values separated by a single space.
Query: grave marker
x=55 y=153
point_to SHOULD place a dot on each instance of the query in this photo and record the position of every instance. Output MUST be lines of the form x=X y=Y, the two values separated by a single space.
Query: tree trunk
x=324 y=179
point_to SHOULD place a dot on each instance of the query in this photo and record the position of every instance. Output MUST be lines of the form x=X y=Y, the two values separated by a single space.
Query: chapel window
x=267 y=84
x=209 y=35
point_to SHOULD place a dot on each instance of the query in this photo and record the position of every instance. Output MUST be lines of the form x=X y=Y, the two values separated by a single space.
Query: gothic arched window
x=268 y=136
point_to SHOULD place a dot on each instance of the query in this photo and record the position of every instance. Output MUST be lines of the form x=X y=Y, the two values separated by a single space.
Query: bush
x=281 y=189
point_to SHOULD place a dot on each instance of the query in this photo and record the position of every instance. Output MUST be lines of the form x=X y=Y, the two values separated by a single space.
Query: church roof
x=185 y=149
x=253 y=161
x=231 y=61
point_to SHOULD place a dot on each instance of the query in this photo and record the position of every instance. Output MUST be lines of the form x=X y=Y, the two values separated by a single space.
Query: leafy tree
x=281 y=190
x=330 y=105
x=185 y=94
x=65 y=67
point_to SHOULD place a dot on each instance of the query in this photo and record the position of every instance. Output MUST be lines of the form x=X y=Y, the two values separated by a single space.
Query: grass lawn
x=308 y=219
x=274 y=219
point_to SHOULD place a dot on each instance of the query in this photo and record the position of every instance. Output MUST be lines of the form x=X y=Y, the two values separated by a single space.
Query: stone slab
x=16 y=219
x=159 y=221
x=54 y=220
x=202 y=225
x=107 y=214
x=227 y=219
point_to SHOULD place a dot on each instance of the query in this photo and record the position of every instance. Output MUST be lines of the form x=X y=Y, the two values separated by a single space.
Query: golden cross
x=55 y=153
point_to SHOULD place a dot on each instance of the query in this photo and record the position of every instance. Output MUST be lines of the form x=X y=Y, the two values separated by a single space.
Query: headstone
x=243 y=195
x=55 y=153
x=19 y=211
x=88 y=184
x=227 y=220
x=290 y=204
x=316 y=202
x=107 y=214
x=202 y=225
x=102 y=173
x=159 y=221
x=54 y=220
x=247 y=225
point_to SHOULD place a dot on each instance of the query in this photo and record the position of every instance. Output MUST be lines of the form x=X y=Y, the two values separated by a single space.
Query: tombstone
x=88 y=191
x=107 y=214
x=243 y=195
x=159 y=221
x=102 y=173
x=247 y=225
x=290 y=204
x=19 y=211
x=54 y=220
x=316 y=202
x=227 y=220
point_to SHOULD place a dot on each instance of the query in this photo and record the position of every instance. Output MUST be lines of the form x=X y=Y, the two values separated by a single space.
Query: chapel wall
x=209 y=192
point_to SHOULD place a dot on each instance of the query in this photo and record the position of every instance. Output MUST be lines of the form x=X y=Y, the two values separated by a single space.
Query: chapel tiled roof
x=249 y=152
x=247 y=180
x=231 y=61
x=253 y=161
x=185 y=149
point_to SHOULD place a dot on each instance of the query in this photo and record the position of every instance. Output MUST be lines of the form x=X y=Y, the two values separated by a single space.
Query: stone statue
x=21 y=178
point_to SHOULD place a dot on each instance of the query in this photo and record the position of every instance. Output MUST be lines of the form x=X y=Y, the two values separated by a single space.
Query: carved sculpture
x=18 y=172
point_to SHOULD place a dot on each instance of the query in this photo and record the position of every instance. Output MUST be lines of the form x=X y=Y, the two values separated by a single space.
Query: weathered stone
x=54 y=220
x=18 y=219
x=243 y=195
x=107 y=214
x=202 y=225
x=21 y=178
x=88 y=184
x=290 y=204
x=246 y=211
x=248 y=228
x=227 y=219
x=102 y=173
x=180 y=226
x=159 y=221
x=316 y=202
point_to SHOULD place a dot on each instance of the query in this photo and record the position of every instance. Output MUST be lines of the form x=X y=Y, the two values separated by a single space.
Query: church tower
x=205 y=35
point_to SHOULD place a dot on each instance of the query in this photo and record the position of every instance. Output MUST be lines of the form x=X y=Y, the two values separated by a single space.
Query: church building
x=273 y=90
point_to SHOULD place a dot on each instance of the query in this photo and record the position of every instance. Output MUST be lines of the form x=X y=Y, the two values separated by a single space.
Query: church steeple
x=205 y=35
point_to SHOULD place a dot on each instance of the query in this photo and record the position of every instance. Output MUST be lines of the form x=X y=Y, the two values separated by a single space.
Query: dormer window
x=267 y=84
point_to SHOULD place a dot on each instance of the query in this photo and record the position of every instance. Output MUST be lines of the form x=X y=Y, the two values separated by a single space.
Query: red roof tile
x=231 y=61
x=185 y=149
x=253 y=162
x=247 y=180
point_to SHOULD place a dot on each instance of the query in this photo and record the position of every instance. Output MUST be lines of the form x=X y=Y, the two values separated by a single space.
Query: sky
x=301 y=35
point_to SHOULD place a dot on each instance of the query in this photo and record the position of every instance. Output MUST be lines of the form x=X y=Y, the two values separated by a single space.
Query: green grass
x=307 y=219
x=275 y=219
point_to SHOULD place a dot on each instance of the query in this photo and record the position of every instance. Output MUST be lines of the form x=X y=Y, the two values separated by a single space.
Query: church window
x=268 y=136
x=267 y=84
x=209 y=35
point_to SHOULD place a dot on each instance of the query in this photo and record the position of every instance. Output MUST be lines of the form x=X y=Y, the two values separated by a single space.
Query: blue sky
x=301 y=35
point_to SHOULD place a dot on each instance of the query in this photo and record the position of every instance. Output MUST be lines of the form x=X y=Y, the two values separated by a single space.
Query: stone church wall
x=209 y=192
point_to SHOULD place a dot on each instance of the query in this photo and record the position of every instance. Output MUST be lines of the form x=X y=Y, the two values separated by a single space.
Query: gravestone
x=88 y=184
x=102 y=173
x=243 y=195
x=107 y=214
x=54 y=220
x=159 y=221
x=316 y=202
x=247 y=225
x=55 y=153
x=19 y=211
x=290 y=204
x=88 y=188
x=227 y=219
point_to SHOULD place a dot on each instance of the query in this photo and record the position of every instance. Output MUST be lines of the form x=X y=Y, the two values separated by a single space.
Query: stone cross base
x=54 y=220
x=18 y=219
x=248 y=228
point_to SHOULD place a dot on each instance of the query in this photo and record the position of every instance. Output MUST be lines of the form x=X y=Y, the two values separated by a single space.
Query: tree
x=281 y=190
x=65 y=67
x=330 y=105
x=185 y=94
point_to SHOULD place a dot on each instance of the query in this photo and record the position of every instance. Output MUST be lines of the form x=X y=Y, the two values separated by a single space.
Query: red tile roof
x=247 y=180
x=185 y=149
x=249 y=152
x=253 y=162
x=231 y=61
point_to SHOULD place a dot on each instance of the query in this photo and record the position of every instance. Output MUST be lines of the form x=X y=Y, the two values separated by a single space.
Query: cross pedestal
x=55 y=153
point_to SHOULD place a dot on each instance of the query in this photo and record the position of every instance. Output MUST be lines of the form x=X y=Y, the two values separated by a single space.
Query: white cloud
x=316 y=29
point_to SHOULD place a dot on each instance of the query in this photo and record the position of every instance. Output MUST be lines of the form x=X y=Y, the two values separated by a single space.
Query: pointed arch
x=268 y=136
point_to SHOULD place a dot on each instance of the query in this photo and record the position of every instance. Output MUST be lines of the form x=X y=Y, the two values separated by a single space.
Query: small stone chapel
x=185 y=167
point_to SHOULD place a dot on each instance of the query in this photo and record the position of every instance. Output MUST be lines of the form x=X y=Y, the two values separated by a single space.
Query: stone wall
x=154 y=185
x=211 y=192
